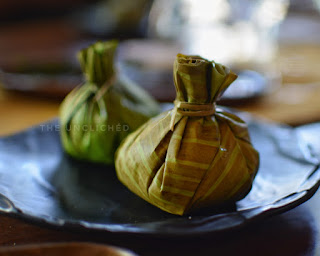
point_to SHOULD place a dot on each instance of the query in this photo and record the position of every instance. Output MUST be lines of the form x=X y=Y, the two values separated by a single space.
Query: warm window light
x=205 y=11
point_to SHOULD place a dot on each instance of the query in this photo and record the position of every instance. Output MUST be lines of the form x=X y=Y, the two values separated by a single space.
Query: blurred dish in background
x=149 y=63
x=41 y=84
x=250 y=86
x=146 y=62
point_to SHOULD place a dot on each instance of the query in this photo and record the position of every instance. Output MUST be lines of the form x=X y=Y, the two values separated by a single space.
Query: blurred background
x=273 y=45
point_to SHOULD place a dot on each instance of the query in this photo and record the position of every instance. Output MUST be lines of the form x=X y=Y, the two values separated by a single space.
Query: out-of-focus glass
x=229 y=31
x=317 y=4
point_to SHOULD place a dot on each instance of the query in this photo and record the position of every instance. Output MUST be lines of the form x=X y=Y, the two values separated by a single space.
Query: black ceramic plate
x=39 y=183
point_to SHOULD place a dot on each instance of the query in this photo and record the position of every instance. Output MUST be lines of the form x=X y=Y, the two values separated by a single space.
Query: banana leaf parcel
x=196 y=155
x=96 y=116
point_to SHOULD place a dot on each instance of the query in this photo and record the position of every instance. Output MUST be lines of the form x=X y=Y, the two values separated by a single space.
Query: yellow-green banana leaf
x=98 y=115
x=205 y=161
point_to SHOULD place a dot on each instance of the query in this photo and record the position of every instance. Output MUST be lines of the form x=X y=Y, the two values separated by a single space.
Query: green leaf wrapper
x=96 y=116
x=195 y=155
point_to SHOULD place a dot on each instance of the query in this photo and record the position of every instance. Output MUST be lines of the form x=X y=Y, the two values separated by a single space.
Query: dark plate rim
x=69 y=226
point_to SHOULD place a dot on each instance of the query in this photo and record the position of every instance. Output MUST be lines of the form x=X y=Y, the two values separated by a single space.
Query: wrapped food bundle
x=96 y=116
x=193 y=156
